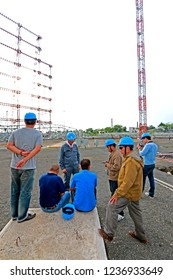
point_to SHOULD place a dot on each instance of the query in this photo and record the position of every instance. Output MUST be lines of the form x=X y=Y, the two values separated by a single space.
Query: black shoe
x=29 y=217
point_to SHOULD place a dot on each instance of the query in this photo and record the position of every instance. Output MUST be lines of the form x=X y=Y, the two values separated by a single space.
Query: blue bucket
x=68 y=211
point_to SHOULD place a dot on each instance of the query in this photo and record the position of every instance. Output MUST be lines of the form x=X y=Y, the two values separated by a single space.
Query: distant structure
x=112 y=122
x=25 y=80
x=141 y=68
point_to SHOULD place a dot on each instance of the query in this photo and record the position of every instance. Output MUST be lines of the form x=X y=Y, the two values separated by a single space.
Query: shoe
x=104 y=235
x=120 y=218
x=14 y=218
x=133 y=234
x=147 y=194
x=29 y=217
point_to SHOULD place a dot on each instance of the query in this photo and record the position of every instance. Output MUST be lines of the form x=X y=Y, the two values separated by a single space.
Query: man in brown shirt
x=113 y=165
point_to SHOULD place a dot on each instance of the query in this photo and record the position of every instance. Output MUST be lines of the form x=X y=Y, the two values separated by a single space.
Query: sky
x=92 y=45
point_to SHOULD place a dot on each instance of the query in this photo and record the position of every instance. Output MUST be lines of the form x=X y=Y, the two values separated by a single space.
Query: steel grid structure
x=25 y=80
x=40 y=102
x=142 y=103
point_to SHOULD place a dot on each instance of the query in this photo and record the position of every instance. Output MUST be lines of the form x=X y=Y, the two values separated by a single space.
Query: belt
x=50 y=207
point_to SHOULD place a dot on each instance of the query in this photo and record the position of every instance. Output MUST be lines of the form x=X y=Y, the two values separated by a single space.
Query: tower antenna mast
x=141 y=68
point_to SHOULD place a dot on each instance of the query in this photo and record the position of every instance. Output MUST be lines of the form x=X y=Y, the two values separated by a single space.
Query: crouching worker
x=52 y=191
x=84 y=184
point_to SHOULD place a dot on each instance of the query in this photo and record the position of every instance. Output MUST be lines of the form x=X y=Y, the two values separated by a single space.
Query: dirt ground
x=157 y=212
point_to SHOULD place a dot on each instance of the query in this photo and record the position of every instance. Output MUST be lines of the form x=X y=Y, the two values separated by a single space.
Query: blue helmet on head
x=71 y=136
x=109 y=142
x=126 y=141
x=145 y=135
x=30 y=116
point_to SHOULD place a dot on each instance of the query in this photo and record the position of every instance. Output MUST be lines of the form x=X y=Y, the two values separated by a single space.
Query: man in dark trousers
x=113 y=165
x=69 y=160
x=148 y=152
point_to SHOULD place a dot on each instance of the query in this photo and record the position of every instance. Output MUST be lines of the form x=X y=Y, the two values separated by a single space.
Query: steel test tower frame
x=141 y=68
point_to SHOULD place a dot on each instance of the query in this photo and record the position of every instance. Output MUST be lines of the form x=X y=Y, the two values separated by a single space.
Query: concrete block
x=49 y=237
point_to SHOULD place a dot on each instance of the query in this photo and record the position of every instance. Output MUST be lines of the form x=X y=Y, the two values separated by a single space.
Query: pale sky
x=92 y=45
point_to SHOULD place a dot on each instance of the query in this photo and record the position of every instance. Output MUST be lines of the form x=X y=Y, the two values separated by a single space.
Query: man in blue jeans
x=148 y=153
x=24 y=143
x=52 y=191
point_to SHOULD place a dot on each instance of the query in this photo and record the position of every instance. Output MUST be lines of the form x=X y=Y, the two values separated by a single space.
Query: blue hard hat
x=30 y=116
x=68 y=211
x=145 y=135
x=126 y=141
x=109 y=142
x=71 y=136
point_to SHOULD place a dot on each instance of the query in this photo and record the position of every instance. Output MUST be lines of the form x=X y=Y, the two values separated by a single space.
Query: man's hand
x=64 y=170
x=139 y=147
x=20 y=163
x=25 y=153
x=113 y=199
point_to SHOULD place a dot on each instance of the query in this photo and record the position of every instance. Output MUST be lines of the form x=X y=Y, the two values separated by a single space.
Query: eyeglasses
x=121 y=147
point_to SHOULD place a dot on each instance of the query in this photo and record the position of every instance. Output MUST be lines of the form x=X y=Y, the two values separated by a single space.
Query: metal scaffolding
x=25 y=79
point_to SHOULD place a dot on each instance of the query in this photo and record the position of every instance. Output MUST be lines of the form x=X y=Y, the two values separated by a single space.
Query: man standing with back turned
x=24 y=143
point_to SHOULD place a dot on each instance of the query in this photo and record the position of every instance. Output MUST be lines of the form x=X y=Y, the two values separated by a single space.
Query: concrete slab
x=49 y=237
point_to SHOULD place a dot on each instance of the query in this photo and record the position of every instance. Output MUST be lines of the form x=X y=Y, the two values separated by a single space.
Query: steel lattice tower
x=141 y=68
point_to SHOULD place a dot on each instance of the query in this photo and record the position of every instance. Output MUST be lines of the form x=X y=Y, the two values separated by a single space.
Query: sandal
x=29 y=217
x=133 y=234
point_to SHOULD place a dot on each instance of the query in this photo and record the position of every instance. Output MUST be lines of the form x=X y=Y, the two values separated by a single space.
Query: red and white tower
x=141 y=68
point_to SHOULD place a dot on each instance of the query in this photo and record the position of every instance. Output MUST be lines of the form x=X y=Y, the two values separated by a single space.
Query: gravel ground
x=157 y=212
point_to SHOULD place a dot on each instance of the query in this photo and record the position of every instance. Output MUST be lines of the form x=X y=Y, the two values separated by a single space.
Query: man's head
x=71 y=136
x=85 y=164
x=110 y=144
x=126 y=145
x=145 y=137
x=54 y=169
x=30 y=118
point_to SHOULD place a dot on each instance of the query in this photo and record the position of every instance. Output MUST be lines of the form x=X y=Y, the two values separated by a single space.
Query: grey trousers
x=112 y=211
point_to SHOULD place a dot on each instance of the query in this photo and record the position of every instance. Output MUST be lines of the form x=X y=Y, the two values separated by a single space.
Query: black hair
x=113 y=145
x=131 y=147
x=30 y=121
x=85 y=163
